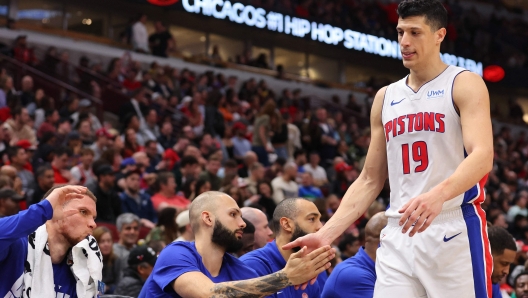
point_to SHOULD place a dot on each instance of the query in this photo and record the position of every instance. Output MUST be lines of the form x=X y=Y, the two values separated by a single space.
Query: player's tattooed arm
x=252 y=288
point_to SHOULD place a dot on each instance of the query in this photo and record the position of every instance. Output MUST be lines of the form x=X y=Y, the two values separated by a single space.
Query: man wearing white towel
x=67 y=216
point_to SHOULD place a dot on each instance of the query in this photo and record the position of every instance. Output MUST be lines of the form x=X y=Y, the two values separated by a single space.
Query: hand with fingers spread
x=59 y=196
x=420 y=212
x=303 y=266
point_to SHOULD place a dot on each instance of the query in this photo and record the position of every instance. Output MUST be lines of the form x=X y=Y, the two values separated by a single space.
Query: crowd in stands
x=249 y=142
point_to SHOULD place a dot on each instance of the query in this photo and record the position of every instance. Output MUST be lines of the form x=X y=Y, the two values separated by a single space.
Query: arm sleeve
x=172 y=264
x=257 y=265
x=23 y=224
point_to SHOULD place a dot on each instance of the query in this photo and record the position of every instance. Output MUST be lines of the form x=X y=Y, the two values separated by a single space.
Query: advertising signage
x=276 y=22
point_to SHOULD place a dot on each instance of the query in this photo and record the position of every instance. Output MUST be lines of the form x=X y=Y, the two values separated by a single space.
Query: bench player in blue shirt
x=356 y=276
x=504 y=251
x=205 y=268
x=69 y=214
x=293 y=218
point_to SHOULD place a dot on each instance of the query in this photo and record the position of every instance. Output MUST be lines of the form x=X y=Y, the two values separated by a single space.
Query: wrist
x=286 y=272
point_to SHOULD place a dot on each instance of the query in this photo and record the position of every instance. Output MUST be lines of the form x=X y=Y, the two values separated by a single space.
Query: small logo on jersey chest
x=435 y=94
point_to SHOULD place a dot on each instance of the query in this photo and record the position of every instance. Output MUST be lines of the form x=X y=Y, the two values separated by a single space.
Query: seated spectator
x=249 y=159
x=184 y=227
x=241 y=145
x=276 y=169
x=210 y=173
x=111 y=266
x=136 y=201
x=51 y=118
x=18 y=127
x=59 y=164
x=108 y=204
x=248 y=239
x=356 y=276
x=185 y=269
x=141 y=261
x=166 y=138
x=84 y=109
x=85 y=132
x=102 y=137
x=187 y=170
x=318 y=173
x=45 y=180
x=519 y=207
x=166 y=195
x=130 y=83
x=131 y=143
x=19 y=158
x=155 y=161
x=128 y=225
x=263 y=233
x=348 y=246
x=256 y=174
x=293 y=218
x=166 y=229
x=284 y=186
x=307 y=189
x=83 y=172
x=63 y=129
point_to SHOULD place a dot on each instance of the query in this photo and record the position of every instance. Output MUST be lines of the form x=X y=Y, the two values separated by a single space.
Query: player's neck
x=283 y=240
x=212 y=254
x=421 y=75
x=58 y=245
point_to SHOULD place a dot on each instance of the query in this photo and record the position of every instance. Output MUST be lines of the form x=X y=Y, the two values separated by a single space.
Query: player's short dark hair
x=250 y=228
x=286 y=208
x=500 y=240
x=434 y=12
x=348 y=239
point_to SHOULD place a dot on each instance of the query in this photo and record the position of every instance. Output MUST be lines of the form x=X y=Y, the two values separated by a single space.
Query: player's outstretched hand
x=420 y=211
x=303 y=266
x=311 y=241
x=59 y=196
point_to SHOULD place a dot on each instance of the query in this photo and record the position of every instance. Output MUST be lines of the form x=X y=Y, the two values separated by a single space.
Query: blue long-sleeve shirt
x=14 y=232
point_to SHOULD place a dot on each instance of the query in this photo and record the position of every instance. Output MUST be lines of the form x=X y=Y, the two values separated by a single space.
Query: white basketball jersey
x=424 y=139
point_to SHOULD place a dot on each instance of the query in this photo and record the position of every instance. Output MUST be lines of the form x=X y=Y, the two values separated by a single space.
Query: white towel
x=85 y=260
x=87 y=267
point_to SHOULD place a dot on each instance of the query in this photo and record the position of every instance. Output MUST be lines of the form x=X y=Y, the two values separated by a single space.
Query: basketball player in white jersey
x=432 y=137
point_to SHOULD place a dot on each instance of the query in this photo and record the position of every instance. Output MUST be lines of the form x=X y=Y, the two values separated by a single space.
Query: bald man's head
x=263 y=233
x=374 y=226
x=216 y=219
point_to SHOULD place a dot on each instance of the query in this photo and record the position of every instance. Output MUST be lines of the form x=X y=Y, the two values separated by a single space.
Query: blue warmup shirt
x=14 y=233
x=310 y=192
x=182 y=257
x=495 y=291
x=268 y=260
x=353 y=278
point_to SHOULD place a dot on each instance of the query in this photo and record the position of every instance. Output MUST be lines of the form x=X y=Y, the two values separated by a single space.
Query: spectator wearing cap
x=83 y=172
x=45 y=180
x=30 y=151
x=60 y=166
x=318 y=173
x=108 y=202
x=284 y=186
x=19 y=158
x=141 y=261
x=241 y=145
x=84 y=108
x=166 y=195
x=136 y=201
x=18 y=127
x=308 y=190
x=345 y=175
x=63 y=129
x=102 y=137
x=184 y=227
x=9 y=202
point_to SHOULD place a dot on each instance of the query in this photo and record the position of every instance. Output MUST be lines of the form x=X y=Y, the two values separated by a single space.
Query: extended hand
x=303 y=266
x=420 y=211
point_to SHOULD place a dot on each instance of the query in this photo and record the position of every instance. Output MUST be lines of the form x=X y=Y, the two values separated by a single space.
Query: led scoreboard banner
x=276 y=22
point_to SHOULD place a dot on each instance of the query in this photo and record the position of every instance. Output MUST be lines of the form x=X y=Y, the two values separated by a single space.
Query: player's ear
x=286 y=224
x=208 y=218
x=440 y=34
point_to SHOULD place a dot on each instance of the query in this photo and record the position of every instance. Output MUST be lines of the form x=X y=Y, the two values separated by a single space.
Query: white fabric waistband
x=444 y=216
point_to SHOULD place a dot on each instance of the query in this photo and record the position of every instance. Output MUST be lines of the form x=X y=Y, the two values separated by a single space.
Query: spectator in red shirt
x=130 y=83
x=22 y=53
x=166 y=195
x=59 y=164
